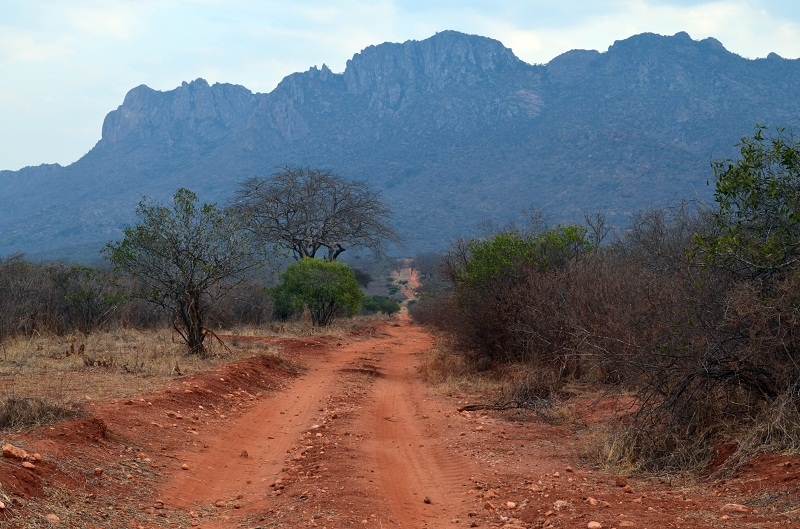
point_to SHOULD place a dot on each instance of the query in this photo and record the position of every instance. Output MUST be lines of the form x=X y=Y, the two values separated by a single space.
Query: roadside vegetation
x=182 y=284
x=693 y=309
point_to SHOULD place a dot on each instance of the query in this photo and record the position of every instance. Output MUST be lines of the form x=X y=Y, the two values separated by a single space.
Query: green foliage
x=758 y=219
x=187 y=257
x=497 y=256
x=382 y=304
x=285 y=304
x=326 y=288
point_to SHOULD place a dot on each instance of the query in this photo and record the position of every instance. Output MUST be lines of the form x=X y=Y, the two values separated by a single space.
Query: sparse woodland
x=692 y=309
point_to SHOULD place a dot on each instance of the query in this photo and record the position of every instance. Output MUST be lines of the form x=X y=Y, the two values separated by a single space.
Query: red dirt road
x=356 y=440
x=282 y=437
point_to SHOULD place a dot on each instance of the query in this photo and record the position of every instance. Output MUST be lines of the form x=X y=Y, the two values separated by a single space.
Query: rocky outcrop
x=453 y=130
x=195 y=106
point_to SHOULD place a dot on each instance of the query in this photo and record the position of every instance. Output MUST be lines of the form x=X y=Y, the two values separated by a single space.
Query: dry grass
x=451 y=373
x=48 y=378
x=52 y=373
x=340 y=327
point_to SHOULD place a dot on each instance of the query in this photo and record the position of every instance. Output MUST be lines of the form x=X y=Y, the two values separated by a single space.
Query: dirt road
x=352 y=432
x=355 y=439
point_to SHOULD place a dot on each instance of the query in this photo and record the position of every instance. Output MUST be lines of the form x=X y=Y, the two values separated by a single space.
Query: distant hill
x=453 y=130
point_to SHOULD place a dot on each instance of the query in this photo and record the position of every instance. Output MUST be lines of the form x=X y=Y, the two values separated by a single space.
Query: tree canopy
x=326 y=288
x=187 y=257
x=307 y=210
x=757 y=231
x=497 y=256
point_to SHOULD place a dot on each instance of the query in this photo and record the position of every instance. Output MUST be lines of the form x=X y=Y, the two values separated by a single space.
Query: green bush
x=382 y=304
x=327 y=288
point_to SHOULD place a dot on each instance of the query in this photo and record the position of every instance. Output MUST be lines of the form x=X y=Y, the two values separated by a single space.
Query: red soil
x=354 y=439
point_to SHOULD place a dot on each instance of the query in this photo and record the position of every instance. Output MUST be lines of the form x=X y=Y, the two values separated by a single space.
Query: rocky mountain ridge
x=453 y=130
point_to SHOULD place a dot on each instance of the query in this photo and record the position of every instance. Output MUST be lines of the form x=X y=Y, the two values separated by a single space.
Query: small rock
x=620 y=481
x=98 y=471
x=592 y=501
x=489 y=507
x=626 y=523
x=510 y=505
x=185 y=466
x=14 y=452
x=53 y=519
x=735 y=507
x=2 y=506
x=569 y=469
x=28 y=465
x=627 y=489
x=594 y=525
x=36 y=457
x=426 y=500
x=244 y=454
x=220 y=503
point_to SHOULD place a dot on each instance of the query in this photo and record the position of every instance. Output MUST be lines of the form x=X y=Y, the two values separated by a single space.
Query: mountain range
x=453 y=130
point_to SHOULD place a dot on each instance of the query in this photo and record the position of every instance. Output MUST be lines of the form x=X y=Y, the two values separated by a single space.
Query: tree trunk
x=191 y=320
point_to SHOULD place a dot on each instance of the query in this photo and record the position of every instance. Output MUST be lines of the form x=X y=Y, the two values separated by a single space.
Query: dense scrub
x=693 y=308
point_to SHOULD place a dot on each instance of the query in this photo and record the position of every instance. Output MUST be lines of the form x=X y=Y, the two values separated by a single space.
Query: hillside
x=453 y=130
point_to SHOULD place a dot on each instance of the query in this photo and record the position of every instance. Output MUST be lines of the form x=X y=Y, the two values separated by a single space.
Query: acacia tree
x=306 y=210
x=187 y=257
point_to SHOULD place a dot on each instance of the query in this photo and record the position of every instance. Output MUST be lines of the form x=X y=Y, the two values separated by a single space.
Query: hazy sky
x=66 y=63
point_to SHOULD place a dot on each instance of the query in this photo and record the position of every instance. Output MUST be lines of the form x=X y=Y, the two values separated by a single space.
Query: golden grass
x=75 y=369
x=71 y=370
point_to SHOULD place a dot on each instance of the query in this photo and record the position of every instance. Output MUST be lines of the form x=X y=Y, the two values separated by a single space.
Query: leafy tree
x=382 y=304
x=187 y=257
x=326 y=288
x=757 y=231
x=305 y=210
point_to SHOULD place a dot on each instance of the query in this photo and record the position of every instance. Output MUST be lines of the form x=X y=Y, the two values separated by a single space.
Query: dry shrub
x=775 y=429
x=735 y=379
x=655 y=449
x=17 y=413
x=448 y=371
x=435 y=309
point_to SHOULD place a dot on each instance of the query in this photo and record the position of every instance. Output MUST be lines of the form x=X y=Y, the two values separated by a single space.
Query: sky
x=64 y=64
